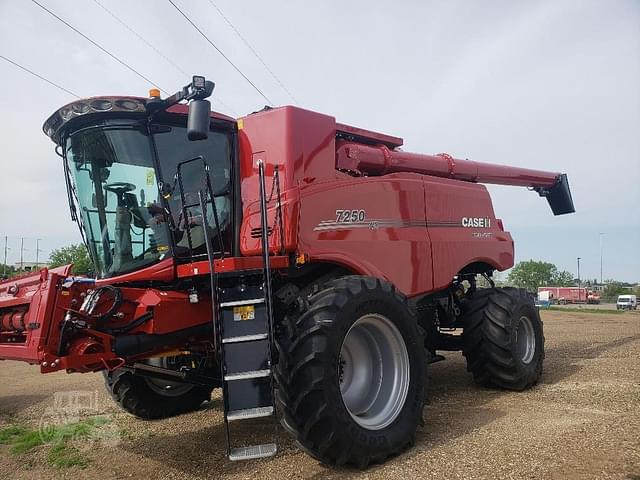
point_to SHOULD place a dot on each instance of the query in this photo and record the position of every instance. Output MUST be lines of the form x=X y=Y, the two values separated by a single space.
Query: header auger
x=311 y=270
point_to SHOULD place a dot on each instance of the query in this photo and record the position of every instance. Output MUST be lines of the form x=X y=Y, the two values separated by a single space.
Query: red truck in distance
x=310 y=270
x=566 y=295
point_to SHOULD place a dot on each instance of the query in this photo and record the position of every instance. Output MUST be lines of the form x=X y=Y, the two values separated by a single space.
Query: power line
x=121 y=62
x=220 y=52
x=39 y=76
x=141 y=38
x=155 y=49
x=256 y=54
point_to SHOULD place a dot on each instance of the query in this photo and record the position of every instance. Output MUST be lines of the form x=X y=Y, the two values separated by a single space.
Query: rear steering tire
x=503 y=338
x=351 y=373
x=150 y=398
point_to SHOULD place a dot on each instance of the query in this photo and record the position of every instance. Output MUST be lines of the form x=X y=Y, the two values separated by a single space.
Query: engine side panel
x=374 y=226
x=415 y=231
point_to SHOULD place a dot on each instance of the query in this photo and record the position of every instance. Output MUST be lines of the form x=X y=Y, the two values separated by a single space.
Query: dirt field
x=581 y=421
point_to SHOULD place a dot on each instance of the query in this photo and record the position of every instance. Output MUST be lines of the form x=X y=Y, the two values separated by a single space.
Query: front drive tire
x=351 y=373
x=503 y=339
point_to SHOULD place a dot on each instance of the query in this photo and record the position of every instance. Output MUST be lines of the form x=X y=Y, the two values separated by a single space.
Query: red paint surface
x=416 y=258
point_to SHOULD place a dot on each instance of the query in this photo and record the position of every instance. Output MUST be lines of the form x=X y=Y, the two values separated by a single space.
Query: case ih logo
x=476 y=222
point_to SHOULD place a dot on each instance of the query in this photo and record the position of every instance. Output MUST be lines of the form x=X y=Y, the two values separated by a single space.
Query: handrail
x=213 y=278
x=216 y=218
x=264 y=229
x=278 y=221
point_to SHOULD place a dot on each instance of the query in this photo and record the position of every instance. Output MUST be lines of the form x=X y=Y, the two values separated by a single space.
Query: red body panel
x=35 y=297
x=412 y=231
x=44 y=299
x=382 y=242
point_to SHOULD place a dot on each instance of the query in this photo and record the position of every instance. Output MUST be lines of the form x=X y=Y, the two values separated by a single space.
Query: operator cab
x=121 y=158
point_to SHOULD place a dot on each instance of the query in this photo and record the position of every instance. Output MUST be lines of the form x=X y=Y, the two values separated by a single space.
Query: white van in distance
x=627 y=302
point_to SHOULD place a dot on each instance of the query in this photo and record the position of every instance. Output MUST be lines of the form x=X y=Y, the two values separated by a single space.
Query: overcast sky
x=542 y=84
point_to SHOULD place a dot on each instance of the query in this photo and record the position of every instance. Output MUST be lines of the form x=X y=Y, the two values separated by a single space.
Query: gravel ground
x=581 y=421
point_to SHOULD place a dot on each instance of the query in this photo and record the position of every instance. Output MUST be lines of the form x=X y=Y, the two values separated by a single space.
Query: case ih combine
x=309 y=269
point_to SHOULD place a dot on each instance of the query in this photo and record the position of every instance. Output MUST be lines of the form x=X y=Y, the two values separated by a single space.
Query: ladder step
x=245 y=338
x=253 y=451
x=248 y=375
x=250 y=413
x=249 y=301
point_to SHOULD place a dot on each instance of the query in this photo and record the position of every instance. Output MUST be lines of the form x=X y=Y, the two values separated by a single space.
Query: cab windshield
x=115 y=184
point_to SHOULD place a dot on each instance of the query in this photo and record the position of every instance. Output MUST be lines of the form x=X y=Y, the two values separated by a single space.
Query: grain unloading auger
x=309 y=269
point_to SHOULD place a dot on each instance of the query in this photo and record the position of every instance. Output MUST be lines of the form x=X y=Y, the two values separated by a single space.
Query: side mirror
x=198 y=121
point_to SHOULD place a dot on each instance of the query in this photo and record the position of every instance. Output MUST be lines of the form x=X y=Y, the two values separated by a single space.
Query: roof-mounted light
x=198 y=81
x=129 y=105
x=66 y=113
x=93 y=105
x=80 y=108
x=101 y=105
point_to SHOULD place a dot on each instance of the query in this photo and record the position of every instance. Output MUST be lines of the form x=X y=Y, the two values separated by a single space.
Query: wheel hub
x=525 y=340
x=166 y=388
x=373 y=371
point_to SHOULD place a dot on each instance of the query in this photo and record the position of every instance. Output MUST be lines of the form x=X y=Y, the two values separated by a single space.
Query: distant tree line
x=531 y=274
x=76 y=254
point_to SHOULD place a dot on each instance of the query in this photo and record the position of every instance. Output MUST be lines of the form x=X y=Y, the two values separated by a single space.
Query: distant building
x=29 y=266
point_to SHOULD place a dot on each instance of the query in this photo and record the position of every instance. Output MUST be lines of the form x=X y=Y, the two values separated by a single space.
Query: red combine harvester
x=309 y=269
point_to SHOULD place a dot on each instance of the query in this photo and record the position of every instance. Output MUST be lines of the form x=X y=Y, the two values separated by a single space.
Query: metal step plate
x=244 y=319
x=253 y=452
x=248 y=413
x=247 y=375
x=244 y=393
x=249 y=301
x=246 y=356
x=246 y=338
x=243 y=289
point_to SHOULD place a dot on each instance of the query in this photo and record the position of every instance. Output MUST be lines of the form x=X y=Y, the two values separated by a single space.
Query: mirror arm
x=188 y=92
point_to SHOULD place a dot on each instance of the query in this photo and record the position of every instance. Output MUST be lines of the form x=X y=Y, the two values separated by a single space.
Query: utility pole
x=21 y=254
x=601 y=281
x=4 y=265
x=579 y=295
x=37 y=251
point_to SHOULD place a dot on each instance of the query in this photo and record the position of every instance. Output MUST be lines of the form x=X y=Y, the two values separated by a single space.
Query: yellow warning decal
x=244 y=312
x=151 y=177
x=240 y=124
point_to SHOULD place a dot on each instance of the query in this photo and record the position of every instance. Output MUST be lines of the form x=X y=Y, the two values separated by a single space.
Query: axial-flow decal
x=347 y=219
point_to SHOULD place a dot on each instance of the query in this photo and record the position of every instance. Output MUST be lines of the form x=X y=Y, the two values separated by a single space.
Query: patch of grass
x=10 y=432
x=61 y=454
x=27 y=440
x=585 y=310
